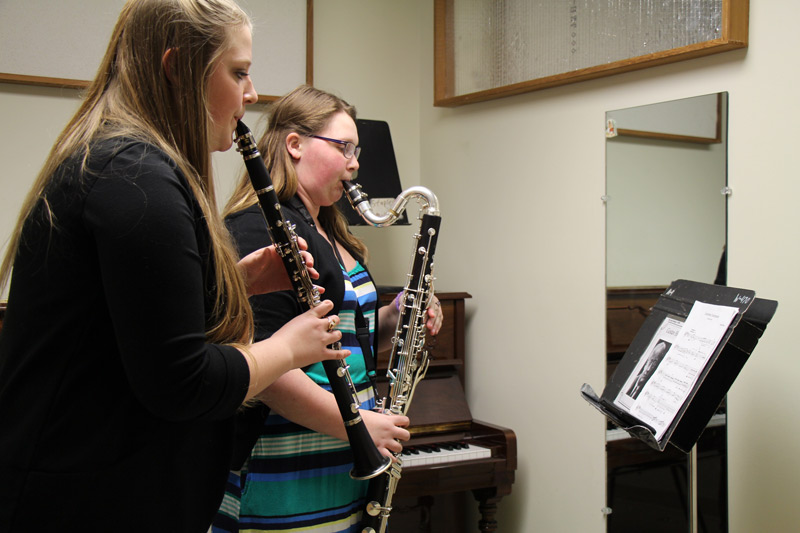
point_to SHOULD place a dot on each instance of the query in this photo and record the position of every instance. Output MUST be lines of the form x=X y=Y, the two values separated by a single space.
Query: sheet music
x=659 y=345
x=678 y=353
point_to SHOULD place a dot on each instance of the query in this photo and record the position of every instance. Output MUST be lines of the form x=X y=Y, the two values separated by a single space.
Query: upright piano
x=449 y=452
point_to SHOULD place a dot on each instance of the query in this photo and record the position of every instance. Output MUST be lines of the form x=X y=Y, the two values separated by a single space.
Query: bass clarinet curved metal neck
x=360 y=202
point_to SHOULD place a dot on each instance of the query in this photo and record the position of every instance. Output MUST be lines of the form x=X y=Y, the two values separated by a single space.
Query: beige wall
x=520 y=181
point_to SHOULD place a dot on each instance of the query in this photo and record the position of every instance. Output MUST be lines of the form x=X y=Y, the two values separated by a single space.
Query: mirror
x=665 y=175
x=666 y=201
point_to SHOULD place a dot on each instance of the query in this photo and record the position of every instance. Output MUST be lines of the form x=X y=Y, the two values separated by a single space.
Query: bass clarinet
x=408 y=361
x=368 y=462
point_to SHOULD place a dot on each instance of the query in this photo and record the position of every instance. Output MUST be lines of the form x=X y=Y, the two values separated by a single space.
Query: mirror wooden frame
x=734 y=35
x=69 y=83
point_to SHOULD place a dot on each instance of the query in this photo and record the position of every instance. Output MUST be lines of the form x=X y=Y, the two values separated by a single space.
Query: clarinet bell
x=368 y=462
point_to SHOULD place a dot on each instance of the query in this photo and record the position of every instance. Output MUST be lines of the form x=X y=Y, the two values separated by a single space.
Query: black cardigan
x=116 y=413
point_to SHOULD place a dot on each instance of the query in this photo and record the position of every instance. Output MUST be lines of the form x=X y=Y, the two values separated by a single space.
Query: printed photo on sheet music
x=656 y=350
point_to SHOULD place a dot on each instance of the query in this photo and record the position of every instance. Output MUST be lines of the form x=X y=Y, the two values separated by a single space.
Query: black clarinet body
x=368 y=462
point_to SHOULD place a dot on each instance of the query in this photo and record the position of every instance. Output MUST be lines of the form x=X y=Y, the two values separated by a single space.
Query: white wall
x=520 y=181
x=371 y=54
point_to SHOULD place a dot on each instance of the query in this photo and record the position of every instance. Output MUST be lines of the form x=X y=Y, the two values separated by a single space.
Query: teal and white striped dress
x=297 y=479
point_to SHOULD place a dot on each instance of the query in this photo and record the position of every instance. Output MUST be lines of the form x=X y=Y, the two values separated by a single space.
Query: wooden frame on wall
x=733 y=35
x=15 y=66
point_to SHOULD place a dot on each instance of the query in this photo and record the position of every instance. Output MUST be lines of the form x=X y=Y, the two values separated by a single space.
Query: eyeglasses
x=348 y=149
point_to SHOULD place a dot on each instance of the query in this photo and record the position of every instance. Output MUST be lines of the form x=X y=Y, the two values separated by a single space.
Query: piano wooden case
x=440 y=414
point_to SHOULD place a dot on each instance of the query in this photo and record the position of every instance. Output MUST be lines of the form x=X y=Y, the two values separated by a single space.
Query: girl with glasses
x=298 y=460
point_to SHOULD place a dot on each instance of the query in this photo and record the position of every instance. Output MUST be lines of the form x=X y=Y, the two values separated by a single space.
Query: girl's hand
x=306 y=337
x=435 y=316
x=264 y=272
x=386 y=430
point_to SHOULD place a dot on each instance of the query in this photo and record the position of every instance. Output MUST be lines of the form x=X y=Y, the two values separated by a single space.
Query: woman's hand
x=435 y=316
x=389 y=314
x=264 y=272
x=306 y=337
x=302 y=341
x=386 y=430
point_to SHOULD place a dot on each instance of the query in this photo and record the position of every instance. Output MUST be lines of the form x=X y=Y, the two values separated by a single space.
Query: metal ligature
x=408 y=362
x=368 y=462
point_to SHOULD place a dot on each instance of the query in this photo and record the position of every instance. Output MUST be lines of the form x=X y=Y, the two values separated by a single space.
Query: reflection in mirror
x=665 y=173
x=666 y=179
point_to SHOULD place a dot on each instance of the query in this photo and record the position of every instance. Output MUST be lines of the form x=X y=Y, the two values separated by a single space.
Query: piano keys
x=485 y=460
x=442 y=452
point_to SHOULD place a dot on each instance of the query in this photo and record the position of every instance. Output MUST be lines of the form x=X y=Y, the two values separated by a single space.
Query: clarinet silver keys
x=409 y=361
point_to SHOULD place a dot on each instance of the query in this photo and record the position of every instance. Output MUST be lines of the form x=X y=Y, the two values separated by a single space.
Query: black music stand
x=651 y=345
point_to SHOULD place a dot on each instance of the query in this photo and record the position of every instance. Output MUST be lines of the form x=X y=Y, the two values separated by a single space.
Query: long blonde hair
x=306 y=110
x=131 y=96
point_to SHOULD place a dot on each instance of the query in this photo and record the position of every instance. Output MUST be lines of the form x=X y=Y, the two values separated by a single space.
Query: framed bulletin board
x=486 y=49
x=61 y=43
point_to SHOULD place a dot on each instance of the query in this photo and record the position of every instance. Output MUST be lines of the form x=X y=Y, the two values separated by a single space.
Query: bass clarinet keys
x=408 y=362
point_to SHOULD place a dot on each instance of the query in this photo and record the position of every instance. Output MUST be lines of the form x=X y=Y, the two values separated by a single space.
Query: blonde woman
x=126 y=347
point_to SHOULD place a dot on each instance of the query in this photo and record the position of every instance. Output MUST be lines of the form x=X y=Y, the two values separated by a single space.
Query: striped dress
x=297 y=479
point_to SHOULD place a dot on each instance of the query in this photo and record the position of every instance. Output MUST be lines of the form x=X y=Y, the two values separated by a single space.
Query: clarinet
x=368 y=462
x=409 y=361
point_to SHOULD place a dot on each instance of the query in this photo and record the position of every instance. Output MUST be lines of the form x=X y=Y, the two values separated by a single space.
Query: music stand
x=664 y=391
